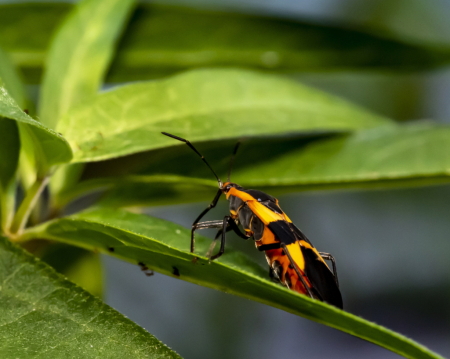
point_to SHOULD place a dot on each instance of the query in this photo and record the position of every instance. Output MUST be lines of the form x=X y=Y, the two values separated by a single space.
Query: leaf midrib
x=157 y=120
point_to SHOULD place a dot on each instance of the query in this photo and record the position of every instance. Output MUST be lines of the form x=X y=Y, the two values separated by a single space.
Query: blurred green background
x=392 y=246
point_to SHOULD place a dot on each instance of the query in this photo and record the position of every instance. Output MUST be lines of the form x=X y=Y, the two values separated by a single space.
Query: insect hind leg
x=329 y=257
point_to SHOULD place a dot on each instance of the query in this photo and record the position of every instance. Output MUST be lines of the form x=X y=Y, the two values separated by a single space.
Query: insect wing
x=317 y=271
x=320 y=276
x=265 y=199
x=322 y=281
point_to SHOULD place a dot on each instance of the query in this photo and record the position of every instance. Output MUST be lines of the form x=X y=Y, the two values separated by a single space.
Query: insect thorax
x=249 y=221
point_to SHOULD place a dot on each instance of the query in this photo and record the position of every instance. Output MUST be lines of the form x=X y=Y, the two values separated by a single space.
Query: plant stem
x=7 y=202
x=28 y=203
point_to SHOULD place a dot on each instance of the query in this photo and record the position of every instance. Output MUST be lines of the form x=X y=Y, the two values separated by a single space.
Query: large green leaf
x=204 y=105
x=408 y=155
x=164 y=246
x=161 y=40
x=174 y=39
x=79 y=55
x=414 y=154
x=11 y=79
x=141 y=190
x=46 y=146
x=77 y=62
x=43 y=315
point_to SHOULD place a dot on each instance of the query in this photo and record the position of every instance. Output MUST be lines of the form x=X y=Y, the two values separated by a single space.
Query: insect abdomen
x=279 y=261
x=285 y=273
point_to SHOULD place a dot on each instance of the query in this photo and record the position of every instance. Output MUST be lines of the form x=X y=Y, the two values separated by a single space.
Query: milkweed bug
x=292 y=258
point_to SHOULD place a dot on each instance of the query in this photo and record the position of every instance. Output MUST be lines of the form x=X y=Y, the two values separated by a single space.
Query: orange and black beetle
x=292 y=258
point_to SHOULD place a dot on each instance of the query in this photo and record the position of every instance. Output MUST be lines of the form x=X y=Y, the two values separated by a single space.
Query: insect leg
x=232 y=226
x=194 y=225
x=209 y=224
x=220 y=231
x=329 y=257
x=212 y=224
x=225 y=225
x=228 y=221
x=299 y=274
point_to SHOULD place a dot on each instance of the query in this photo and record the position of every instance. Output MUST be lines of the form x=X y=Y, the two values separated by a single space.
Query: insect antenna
x=198 y=153
x=232 y=158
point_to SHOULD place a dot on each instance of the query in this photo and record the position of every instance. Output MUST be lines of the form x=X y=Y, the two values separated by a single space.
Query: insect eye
x=227 y=188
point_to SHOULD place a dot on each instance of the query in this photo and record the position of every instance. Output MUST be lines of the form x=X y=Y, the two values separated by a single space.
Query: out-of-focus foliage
x=11 y=79
x=68 y=81
x=9 y=160
x=161 y=40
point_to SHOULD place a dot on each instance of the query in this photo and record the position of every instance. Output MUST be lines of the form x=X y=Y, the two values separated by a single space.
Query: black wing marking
x=272 y=206
x=300 y=235
x=259 y=195
x=321 y=279
x=282 y=232
x=265 y=199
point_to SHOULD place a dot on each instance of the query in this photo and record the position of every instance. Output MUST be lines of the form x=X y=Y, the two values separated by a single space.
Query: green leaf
x=141 y=190
x=204 y=105
x=408 y=155
x=413 y=154
x=161 y=40
x=64 y=178
x=46 y=146
x=77 y=63
x=43 y=315
x=164 y=246
x=79 y=55
x=11 y=79
x=9 y=159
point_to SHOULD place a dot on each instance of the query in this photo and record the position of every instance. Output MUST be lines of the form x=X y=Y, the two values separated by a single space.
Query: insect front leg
x=329 y=257
x=228 y=221
x=195 y=224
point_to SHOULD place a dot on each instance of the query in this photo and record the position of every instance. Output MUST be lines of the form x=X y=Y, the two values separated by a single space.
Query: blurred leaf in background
x=161 y=40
